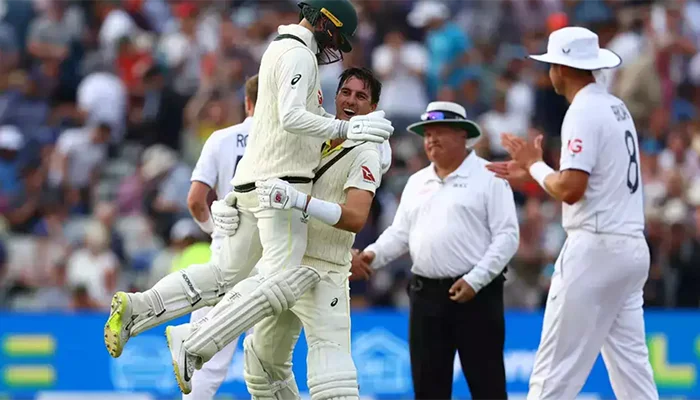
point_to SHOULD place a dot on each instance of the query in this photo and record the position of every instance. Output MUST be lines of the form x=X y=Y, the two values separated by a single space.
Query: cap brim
x=606 y=59
x=473 y=130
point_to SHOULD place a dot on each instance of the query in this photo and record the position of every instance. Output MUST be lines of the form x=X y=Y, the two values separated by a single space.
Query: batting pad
x=259 y=383
x=248 y=303
x=177 y=294
x=332 y=373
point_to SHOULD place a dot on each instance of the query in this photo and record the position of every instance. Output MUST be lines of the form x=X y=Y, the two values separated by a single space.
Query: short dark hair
x=251 y=88
x=366 y=76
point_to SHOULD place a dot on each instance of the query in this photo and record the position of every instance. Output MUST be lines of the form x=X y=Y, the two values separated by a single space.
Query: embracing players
x=289 y=128
x=347 y=178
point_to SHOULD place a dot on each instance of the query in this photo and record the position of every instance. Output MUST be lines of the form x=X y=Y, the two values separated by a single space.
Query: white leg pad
x=177 y=294
x=260 y=384
x=332 y=373
x=246 y=304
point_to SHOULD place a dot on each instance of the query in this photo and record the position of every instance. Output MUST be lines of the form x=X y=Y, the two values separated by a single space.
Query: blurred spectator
x=167 y=179
x=11 y=142
x=183 y=234
x=79 y=155
x=94 y=266
x=448 y=45
x=401 y=66
x=496 y=121
x=102 y=97
x=158 y=119
x=106 y=213
x=469 y=97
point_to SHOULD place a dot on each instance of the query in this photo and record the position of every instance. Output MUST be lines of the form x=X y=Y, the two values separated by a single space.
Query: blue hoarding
x=65 y=352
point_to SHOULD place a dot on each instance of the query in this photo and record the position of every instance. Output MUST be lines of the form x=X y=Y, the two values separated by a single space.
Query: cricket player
x=289 y=129
x=347 y=178
x=595 y=298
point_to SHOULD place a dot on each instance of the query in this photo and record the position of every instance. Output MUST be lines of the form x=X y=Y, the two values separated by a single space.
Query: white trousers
x=206 y=381
x=323 y=312
x=595 y=303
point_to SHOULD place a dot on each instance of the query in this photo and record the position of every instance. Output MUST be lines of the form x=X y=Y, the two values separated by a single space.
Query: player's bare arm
x=197 y=205
x=355 y=211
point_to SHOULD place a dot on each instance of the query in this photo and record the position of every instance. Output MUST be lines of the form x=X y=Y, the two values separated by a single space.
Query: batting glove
x=225 y=215
x=280 y=195
x=372 y=127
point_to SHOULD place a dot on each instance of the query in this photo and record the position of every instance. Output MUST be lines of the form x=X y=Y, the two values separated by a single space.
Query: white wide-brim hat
x=446 y=113
x=578 y=48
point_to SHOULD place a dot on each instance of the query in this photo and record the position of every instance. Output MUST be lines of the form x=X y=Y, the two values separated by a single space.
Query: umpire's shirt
x=460 y=227
x=464 y=225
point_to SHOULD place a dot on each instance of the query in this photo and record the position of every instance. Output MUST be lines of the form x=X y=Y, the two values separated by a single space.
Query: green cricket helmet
x=335 y=22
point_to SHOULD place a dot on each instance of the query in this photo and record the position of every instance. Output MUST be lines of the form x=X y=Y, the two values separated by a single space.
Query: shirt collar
x=302 y=33
x=462 y=171
x=590 y=88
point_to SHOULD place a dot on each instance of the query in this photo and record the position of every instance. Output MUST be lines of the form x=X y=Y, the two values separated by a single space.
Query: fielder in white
x=595 y=298
x=289 y=129
x=347 y=178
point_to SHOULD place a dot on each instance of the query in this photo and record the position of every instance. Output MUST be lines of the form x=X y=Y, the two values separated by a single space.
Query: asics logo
x=295 y=79
x=566 y=51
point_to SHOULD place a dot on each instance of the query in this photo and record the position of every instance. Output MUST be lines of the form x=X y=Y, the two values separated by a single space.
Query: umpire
x=458 y=222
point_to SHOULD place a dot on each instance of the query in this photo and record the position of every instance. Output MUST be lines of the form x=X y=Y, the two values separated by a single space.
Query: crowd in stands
x=105 y=106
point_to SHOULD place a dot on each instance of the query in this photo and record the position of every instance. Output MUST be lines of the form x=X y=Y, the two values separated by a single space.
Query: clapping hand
x=523 y=153
x=510 y=171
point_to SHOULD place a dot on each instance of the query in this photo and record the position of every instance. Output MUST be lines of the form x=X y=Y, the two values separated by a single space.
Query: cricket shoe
x=120 y=319
x=184 y=364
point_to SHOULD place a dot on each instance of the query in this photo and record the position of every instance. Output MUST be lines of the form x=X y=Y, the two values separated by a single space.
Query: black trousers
x=440 y=327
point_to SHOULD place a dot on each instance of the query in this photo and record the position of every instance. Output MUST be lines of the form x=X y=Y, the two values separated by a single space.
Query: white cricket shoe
x=116 y=329
x=184 y=364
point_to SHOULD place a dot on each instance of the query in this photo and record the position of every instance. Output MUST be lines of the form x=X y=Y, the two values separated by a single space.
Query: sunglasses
x=440 y=116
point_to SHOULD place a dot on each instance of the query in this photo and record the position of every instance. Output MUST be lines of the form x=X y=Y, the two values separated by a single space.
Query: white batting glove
x=372 y=127
x=225 y=215
x=280 y=195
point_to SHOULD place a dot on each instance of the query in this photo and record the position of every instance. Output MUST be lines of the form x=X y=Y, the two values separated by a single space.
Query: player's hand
x=461 y=291
x=372 y=127
x=359 y=268
x=225 y=215
x=278 y=194
x=510 y=171
x=524 y=153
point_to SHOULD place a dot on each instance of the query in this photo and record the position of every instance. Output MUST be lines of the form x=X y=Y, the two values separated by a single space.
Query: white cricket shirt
x=464 y=225
x=361 y=169
x=599 y=137
x=290 y=121
x=216 y=165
